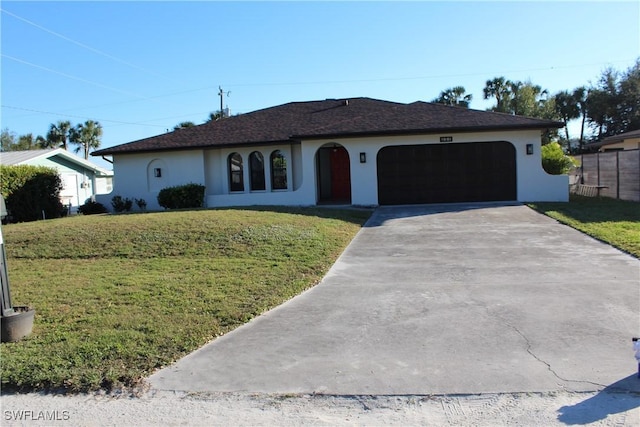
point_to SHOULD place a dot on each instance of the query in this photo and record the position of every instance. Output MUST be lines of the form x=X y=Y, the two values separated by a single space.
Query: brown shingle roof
x=334 y=118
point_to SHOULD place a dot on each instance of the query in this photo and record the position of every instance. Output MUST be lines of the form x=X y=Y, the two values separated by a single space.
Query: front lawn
x=616 y=222
x=118 y=296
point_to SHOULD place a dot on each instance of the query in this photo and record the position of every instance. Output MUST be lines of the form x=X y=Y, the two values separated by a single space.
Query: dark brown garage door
x=447 y=173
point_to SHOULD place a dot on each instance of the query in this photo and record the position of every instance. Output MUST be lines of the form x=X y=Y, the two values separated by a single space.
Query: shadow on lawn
x=593 y=209
x=621 y=396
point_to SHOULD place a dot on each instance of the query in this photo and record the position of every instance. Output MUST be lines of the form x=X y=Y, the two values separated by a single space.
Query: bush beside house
x=31 y=192
x=554 y=160
x=121 y=204
x=182 y=197
x=92 y=208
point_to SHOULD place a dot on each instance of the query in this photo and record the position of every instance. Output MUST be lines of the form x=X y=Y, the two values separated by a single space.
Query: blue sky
x=139 y=68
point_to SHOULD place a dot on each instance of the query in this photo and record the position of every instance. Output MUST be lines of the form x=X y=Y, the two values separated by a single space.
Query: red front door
x=340 y=175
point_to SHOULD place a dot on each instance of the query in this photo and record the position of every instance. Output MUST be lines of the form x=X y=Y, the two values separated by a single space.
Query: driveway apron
x=441 y=299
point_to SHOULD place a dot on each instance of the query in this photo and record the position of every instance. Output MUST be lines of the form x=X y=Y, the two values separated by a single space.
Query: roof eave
x=108 y=152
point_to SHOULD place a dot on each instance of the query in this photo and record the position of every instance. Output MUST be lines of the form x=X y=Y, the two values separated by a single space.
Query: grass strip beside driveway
x=616 y=222
x=118 y=296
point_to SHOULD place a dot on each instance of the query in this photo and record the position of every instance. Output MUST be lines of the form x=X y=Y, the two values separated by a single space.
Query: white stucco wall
x=533 y=183
x=131 y=175
x=209 y=167
x=218 y=193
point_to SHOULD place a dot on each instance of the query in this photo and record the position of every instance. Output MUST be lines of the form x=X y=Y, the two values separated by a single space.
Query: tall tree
x=580 y=97
x=29 y=142
x=500 y=89
x=519 y=98
x=58 y=134
x=455 y=96
x=613 y=102
x=602 y=104
x=21 y=143
x=530 y=100
x=629 y=89
x=568 y=109
x=7 y=140
x=523 y=99
x=86 y=136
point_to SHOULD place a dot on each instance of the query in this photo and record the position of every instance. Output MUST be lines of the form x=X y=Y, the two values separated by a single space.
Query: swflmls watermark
x=30 y=415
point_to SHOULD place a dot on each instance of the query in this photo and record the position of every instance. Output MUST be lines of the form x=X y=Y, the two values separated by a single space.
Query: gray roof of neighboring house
x=331 y=118
x=616 y=138
x=9 y=158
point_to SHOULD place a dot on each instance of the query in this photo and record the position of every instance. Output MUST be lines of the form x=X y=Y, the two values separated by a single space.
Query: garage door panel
x=446 y=173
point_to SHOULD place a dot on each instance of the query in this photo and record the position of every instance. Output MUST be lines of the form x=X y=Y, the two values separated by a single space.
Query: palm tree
x=455 y=96
x=86 y=136
x=567 y=107
x=502 y=90
x=213 y=116
x=580 y=98
x=182 y=125
x=58 y=134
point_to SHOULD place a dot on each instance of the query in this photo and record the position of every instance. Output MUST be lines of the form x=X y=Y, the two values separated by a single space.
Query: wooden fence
x=613 y=174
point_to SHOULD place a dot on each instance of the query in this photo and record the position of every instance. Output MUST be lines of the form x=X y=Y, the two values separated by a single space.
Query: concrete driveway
x=450 y=299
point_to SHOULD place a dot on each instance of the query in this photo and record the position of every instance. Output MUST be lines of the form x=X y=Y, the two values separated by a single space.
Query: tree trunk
x=584 y=118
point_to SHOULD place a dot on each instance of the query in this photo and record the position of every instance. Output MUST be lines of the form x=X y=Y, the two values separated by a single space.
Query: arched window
x=256 y=165
x=278 y=171
x=236 y=179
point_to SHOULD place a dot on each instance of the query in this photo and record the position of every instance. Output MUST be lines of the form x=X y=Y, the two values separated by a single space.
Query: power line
x=127 y=101
x=69 y=76
x=82 y=45
x=436 y=76
x=117 y=122
x=80 y=117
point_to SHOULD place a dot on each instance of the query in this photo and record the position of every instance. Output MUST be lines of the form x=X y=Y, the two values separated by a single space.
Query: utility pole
x=221 y=94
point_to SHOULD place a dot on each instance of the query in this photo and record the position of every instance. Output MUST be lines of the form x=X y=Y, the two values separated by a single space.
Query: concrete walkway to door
x=449 y=299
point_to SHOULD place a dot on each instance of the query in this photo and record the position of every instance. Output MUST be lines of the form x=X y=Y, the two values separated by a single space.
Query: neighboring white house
x=81 y=179
x=357 y=151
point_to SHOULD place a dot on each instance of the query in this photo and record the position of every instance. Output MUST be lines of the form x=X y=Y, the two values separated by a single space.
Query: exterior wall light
x=363 y=157
x=529 y=149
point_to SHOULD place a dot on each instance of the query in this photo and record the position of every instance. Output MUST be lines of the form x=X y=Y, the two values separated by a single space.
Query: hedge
x=31 y=192
x=182 y=197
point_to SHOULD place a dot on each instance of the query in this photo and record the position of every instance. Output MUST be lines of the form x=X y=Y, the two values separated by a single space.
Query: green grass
x=118 y=296
x=616 y=222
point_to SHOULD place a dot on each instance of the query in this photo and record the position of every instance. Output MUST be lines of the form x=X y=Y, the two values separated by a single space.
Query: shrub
x=31 y=192
x=554 y=161
x=92 y=208
x=141 y=203
x=121 y=205
x=182 y=197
